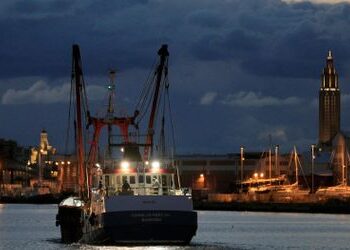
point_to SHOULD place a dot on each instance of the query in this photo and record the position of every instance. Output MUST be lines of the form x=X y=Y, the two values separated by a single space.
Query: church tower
x=329 y=104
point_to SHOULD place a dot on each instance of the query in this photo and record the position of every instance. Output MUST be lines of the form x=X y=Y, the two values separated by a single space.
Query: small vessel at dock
x=133 y=198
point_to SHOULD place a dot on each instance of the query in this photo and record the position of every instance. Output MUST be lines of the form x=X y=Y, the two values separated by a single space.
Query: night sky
x=239 y=70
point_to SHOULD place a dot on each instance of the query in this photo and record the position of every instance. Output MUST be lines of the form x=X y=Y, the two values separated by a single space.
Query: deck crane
x=161 y=69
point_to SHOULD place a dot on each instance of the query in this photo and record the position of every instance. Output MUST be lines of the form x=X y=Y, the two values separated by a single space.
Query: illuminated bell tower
x=329 y=104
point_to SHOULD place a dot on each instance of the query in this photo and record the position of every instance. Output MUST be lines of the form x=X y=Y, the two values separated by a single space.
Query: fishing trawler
x=133 y=194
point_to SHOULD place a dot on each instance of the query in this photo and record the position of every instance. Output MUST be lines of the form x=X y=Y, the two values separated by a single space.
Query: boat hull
x=70 y=221
x=129 y=227
x=150 y=227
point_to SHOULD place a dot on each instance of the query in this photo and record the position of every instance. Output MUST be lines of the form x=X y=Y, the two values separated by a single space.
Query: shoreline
x=333 y=206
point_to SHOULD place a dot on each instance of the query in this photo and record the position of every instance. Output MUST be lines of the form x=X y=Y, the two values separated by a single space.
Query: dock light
x=146 y=163
x=201 y=175
x=98 y=165
x=155 y=166
x=68 y=162
x=62 y=162
x=125 y=166
x=56 y=163
x=261 y=175
x=122 y=150
x=256 y=175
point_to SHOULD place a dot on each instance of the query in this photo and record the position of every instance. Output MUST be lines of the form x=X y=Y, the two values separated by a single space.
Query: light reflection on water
x=33 y=227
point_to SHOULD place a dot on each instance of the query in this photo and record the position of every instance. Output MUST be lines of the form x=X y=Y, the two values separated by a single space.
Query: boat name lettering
x=151 y=219
x=150 y=215
x=149 y=202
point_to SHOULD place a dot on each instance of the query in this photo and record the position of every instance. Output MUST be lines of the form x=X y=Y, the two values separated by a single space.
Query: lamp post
x=242 y=159
x=39 y=167
x=312 y=166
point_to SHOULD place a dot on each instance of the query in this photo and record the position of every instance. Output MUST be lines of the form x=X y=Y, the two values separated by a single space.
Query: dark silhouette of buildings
x=329 y=104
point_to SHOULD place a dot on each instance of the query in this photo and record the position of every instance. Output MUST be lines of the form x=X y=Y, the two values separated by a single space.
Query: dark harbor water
x=33 y=227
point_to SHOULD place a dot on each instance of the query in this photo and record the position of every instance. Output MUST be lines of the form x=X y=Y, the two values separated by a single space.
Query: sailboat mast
x=270 y=166
x=343 y=164
x=270 y=160
x=77 y=75
x=296 y=166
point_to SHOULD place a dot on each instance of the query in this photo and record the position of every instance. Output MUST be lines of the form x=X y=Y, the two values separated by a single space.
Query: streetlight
x=276 y=161
x=312 y=166
x=242 y=159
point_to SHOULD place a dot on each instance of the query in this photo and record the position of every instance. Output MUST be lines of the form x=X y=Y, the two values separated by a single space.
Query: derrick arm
x=77 y=79
x=163 y=54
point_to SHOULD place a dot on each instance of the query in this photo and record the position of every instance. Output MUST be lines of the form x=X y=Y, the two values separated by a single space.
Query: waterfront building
x=329 y=105
x=67 y=176
x=221 y=173
x=14 y=173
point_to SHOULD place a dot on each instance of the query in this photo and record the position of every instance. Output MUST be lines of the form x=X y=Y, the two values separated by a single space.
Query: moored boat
x=132 y=198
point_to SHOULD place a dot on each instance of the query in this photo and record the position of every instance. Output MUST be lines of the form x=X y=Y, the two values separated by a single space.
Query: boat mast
x=270 y=166
x=296 y=166
x=270 y=160
x=163 y=53
x=110 y=110
x=77 y=74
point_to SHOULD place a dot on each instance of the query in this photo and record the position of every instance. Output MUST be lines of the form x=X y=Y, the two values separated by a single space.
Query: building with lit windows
x=222 y=173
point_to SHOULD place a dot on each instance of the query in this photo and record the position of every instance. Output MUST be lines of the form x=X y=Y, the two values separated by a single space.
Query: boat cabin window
x=107 y=180
x=132 y=179
x=148 y=179
x=154 y=178
x=124 y=178
x=164 y=180
x=141 y=178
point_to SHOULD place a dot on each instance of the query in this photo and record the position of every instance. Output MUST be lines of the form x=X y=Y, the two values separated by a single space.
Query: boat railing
x=112 y=190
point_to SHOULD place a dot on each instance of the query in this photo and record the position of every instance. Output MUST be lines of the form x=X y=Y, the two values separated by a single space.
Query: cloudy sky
x=240 y=70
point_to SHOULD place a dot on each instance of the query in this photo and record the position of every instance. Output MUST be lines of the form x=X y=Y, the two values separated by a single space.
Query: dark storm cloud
x=206 y=18
x=271 y=38
x=37 y=36
x=266 y=37
x=239 y=65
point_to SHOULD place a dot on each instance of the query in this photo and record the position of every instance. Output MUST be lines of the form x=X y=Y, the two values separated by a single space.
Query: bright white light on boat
x=201 y=175
x=255 y=175
x=155 y=166
x=68 y=162
x=262 y=175
x=125 y=165
x=98 y=165
x=146 y=163
x=122 y=150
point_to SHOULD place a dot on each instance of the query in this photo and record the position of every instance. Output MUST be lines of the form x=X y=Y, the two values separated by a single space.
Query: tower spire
x=329 y=103
x=330 y=57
